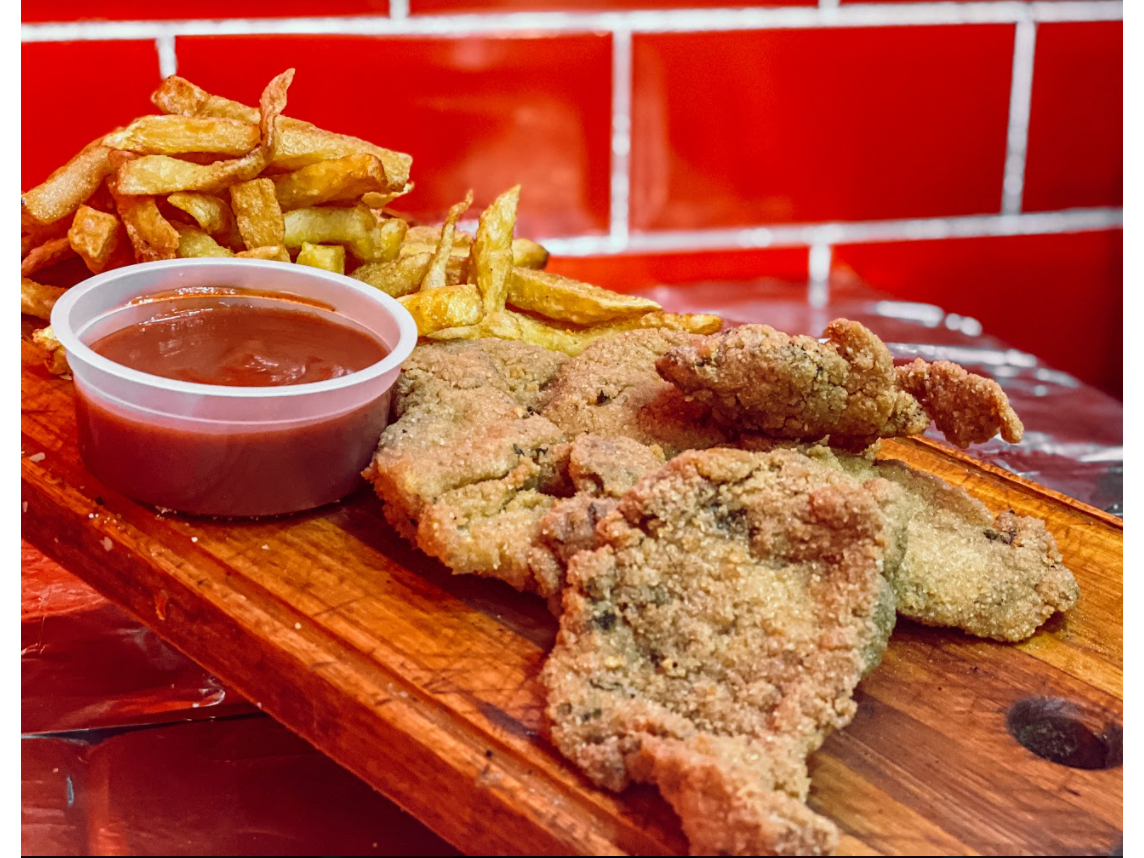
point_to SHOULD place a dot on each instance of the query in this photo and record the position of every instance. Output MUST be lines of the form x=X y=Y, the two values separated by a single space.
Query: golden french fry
x=490 y=256
x=178 y=95
x=376 y=200
x=431 y=235
x=46 y=255
x=301 y=143
x=257 y=213
x=195 y=243
x=355 y=228
x=94 y=235
x=338 y=180
x=437 y=275
x=447 y=307
x=573 y=339
x=528 y=254
x=55 y=358
x=331 y=257
x=32 y=235
x=276 y=253
x=37 y=299
x=174 y=135
x=163 y=174
x=211 y=213
x=402 y=276
x=67 y=187
x=568 y=300
x=152 y=235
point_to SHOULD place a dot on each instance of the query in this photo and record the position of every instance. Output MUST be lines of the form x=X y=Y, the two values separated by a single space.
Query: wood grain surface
x=425 y=684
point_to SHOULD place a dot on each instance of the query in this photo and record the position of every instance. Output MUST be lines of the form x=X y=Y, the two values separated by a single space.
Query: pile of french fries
x=213 y=177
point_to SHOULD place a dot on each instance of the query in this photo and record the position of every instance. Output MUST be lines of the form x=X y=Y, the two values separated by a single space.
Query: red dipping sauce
x=220 y=468
x=242 y=346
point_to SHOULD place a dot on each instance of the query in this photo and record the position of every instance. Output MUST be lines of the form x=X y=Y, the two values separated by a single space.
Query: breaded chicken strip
x=952 y=563
x=612 y=388
x=967 y=409
x=757 y=379
x=715 y=636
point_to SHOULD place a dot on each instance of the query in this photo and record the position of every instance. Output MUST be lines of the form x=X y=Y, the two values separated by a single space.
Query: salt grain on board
x=106 y=543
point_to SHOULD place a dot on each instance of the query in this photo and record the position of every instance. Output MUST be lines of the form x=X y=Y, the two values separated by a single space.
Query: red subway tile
x=1059 y=297
x=448 y=7
x=635 y=271
x=73 y=92
x=1076 y=127
x=133 y=10
x=786 y=126
x=480 y=112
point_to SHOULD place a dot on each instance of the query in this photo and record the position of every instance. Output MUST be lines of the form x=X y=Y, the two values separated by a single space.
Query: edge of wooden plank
x=964 y=458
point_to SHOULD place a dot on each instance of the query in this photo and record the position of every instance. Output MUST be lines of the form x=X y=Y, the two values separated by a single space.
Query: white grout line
x=619 y=204
x=818 y=269
x=665 y=21
x=168 y=61
x=1020 y=101
x=398 y=9
x=829 y=234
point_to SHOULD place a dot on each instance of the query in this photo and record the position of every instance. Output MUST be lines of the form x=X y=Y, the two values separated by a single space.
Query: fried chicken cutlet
x=758 y=379
x=715 y=636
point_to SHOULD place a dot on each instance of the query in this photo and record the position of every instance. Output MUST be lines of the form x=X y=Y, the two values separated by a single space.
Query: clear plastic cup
x=228 y=451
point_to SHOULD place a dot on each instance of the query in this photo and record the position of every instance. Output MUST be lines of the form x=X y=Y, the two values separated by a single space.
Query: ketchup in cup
x=231 y=387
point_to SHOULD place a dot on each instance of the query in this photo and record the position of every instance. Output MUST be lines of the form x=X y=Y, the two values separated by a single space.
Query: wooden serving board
x=425 y=684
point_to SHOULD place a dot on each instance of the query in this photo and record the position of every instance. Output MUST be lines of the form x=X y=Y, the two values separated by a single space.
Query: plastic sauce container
x=211 y=449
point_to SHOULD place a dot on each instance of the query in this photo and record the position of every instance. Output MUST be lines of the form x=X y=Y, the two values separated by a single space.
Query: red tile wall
x=634 y=271
x=133 y=10
x=431 y=7
x=1076 y=127
x=1059 y=297
x=750 y=128
x=788 y=126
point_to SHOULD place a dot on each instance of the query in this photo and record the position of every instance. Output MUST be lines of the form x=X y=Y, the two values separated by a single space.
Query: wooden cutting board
x=425 y=684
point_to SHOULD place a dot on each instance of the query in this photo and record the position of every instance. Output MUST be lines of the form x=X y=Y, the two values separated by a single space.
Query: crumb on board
x=37 y=457
x=106 y=543
x=194 y=539
x=23 y=506
x=297 y=625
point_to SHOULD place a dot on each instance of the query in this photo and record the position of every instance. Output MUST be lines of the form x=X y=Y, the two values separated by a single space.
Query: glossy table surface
x=130 y=748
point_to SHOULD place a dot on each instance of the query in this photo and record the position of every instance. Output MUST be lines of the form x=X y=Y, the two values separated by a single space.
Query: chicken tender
x=757 y=379
x=612 y=388
x=715 y=636
x=966 y=408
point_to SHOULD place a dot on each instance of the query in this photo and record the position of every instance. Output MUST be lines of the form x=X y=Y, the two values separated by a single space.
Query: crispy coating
x=966 y=408
x=757 y=379
x=481 y=528
x=612 y=389
x=516 y=369
x=952 y=563
x=715 y=636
